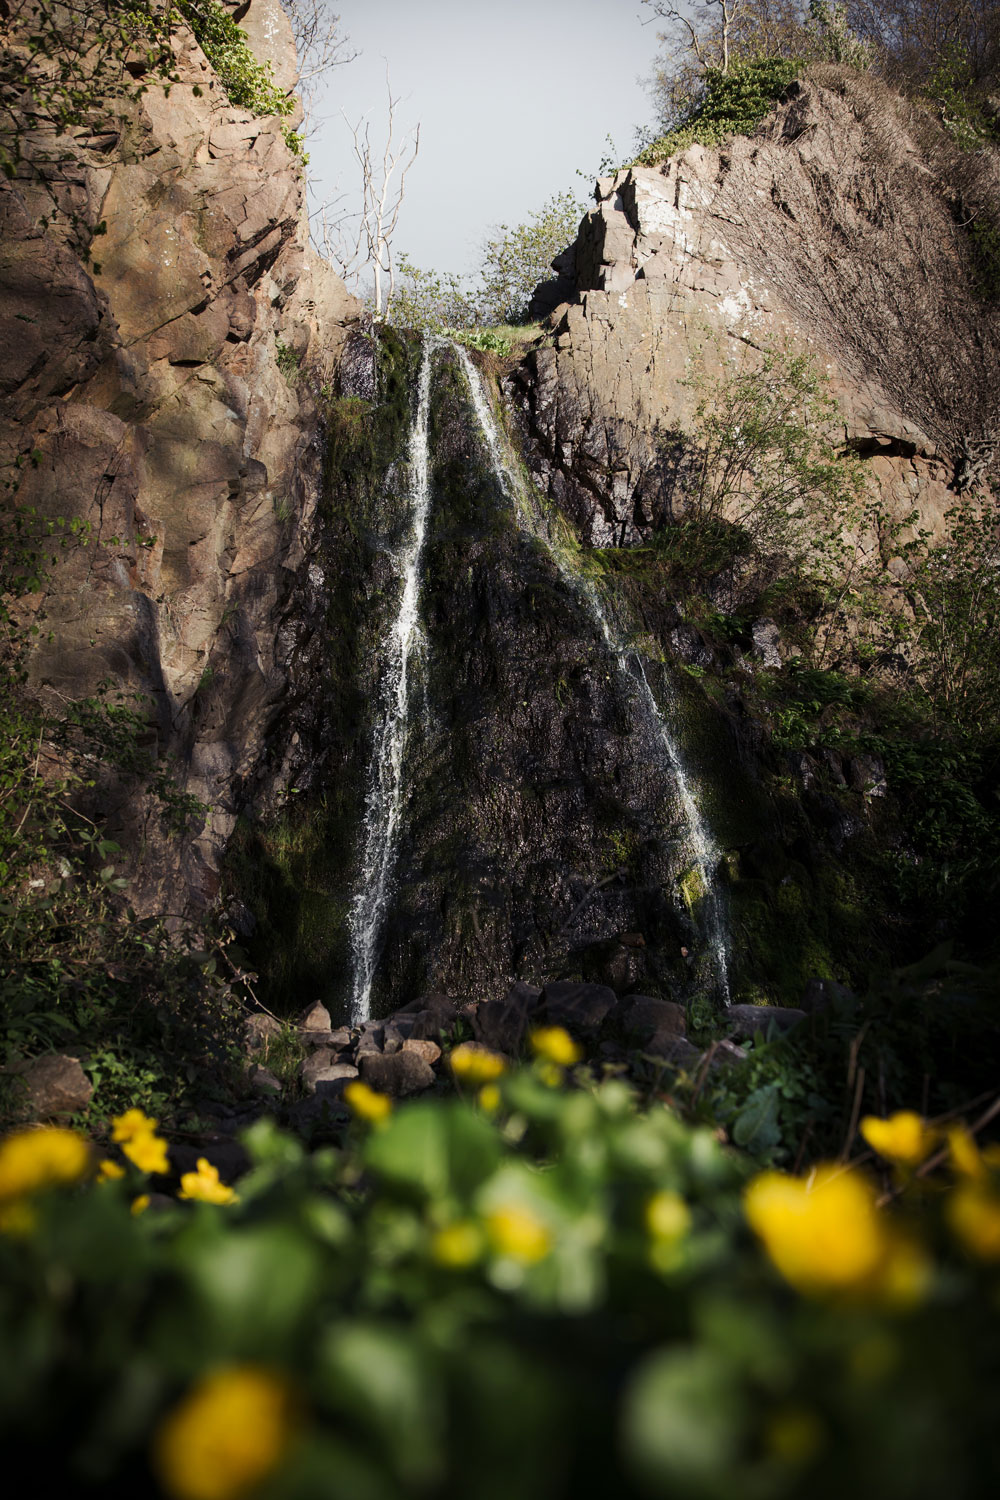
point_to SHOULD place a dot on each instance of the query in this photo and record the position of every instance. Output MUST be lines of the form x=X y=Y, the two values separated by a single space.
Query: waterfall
x=385 y=795
x=704 y=853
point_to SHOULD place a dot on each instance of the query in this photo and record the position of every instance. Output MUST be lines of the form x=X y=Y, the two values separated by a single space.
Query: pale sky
x=512 y=97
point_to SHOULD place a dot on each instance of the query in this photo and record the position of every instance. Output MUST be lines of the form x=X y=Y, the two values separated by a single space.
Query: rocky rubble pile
x=406 y=1052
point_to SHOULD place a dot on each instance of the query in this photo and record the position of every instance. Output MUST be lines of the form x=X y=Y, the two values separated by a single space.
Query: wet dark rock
x=820 y=994
x=581 y=1008
x=392 y=1038
x=673 y=1049
x=401 y=1073
x=745 y=1021
x=644 y=1016
x=502 y=1024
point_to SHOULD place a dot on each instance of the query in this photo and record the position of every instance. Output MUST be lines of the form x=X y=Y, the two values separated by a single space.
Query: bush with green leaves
x=515 y=258
x=552 y=1291
x=732 y=103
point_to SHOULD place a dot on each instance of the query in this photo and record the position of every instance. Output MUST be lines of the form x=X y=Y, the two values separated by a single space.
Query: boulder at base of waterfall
x=501 y=1024
x=426 y=1018
x=644 y=1016
x=398 y=1074
x=48 y=1087
x=581 y=1008
x=340 y=1039
x=745 y=1021
x=329 y=1082
x=257 y=1030
x=674 y=1049
x=820 y=994
x=315 y=1018
x=263 y=1081
x=392 y=1038
x=315 y=1064
x=423 y=1047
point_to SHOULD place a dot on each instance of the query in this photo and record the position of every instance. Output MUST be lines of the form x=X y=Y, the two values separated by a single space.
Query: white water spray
x=704 y=853
x=385 y=796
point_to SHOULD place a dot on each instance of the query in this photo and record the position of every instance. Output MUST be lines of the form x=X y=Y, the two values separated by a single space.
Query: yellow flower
x=132 y=1123
x=204 y=1185
x=33 y=1160
x=793 y=1435
x=147 y=1151
x=474 y=1064
x=17 y=1219
x=903 y=1138
x=110 y=1171
x=140 y=1204
x=225 y=1436
x=668 y=1217
x=457 y=1245
x=825 y=1234
x=555 y=1045
x=965 y=1157
x=366 y=1103
x=973 y=1212
x=489 y=1098
x=516 y=1232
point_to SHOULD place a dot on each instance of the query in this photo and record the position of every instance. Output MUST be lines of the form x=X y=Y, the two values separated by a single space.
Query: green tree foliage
x=765 y=457
x=731 y=103
x=514 y=260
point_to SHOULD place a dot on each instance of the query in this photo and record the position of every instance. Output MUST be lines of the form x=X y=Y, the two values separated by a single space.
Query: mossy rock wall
x=542 y=820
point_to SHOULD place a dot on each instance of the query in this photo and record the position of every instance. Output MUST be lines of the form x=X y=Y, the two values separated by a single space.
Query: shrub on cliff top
x=734 y=103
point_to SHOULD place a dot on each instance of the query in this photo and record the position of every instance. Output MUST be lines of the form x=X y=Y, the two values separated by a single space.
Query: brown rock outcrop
x=826 y=231
x=164 y=390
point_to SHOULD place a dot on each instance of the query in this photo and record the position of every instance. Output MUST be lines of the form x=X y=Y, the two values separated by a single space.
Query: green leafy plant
x=554 y=1291
x=733 y=103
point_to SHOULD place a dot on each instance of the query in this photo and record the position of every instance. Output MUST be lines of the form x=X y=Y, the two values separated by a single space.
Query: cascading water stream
x=385 y=795
x=704 y=853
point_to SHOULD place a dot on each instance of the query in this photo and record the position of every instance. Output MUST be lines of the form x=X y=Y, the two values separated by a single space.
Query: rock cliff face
x=161 y=392
x=827 y=230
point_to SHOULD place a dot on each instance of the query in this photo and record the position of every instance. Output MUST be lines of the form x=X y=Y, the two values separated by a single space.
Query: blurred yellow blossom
x=204 y=1185
x=140 y=1204
x=366 y=1104
x=555 y=1045
x=110 y=1171
x=965 y=1157
x=474 y=1064
x=132 y=1123
x=902 y=1138
x=667 y=1216
x=148 y=1152
x=457 y=1245
x=793 y=1435
x=33 y=1160
x=825 y=1234
x=973 y=1213
x=229 y=1433
x=17 y=1218
x=516 y=1232
x=136 y=1134
x=489 y=1098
